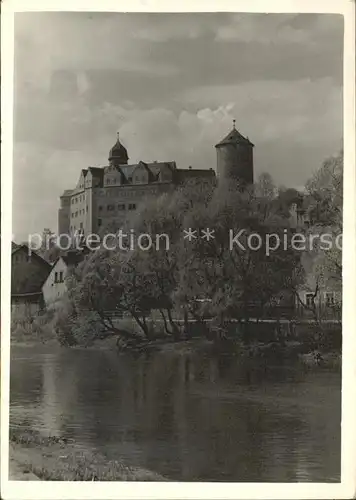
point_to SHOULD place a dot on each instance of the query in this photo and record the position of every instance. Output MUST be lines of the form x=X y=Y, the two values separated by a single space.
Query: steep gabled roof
x=32 y=253
x=193 y=173
x=71 y=258
x=28 y=276
x=66 y=192
x=96 y=170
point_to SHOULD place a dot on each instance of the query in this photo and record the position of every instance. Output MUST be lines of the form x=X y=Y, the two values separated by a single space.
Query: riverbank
x=256 y=351
x=34 y=457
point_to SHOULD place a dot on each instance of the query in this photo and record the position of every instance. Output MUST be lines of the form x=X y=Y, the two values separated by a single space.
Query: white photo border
x=38 y=490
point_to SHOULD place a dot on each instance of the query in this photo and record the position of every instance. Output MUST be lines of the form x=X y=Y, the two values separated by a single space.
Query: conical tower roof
x=234 y=137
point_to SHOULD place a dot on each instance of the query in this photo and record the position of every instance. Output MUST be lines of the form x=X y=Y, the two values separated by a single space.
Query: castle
x=104 y=194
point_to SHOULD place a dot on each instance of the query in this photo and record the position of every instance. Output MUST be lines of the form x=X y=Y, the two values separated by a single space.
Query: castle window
x=56 y=277
x=81 y=225
x=130 y=178
x=107 y=181
x=100 y=208
x=87 y=207
x=110 y=208
x=99 y=222
x=76 y=214
x=132 y=206
x=61 y=277
x=121 y=206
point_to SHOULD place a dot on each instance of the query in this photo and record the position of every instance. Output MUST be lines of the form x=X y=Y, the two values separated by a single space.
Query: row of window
x=58 y=277
x=78 y=199
x=120 y=207
x=79 y=212
x=138 y=179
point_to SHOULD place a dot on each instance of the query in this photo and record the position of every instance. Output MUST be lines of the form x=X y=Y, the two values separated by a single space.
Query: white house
x=55 y=285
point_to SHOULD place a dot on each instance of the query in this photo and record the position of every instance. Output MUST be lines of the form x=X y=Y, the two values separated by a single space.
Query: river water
x=188 y=417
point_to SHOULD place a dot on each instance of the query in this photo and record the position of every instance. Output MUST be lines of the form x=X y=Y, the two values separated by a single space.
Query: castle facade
x=105 y=194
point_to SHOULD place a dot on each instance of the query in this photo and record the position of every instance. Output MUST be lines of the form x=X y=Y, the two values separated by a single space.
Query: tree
x=234 y=278
x=323 y=265
x=265 y=187
x=110 y=280
x=325 y=190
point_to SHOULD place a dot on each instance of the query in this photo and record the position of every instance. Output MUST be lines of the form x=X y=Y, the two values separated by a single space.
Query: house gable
x=28 y=271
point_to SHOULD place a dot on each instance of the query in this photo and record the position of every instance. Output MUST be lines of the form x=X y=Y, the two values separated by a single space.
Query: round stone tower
x=118 y=154
x=235 y=158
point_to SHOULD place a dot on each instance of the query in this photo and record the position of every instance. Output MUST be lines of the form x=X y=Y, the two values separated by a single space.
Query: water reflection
x=187 y=417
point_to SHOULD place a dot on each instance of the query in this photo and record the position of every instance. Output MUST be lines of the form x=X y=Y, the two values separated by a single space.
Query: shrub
x=64 y=318
x=26 y=326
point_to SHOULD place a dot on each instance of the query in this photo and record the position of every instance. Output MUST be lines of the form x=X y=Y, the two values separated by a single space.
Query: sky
x=171 y=84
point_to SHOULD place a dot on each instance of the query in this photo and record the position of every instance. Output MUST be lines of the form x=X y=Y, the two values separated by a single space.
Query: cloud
x=261 y=28
x=172 y=84
x=280 y=29
x=293 y=128
x=277 y=110
x=77 y=42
